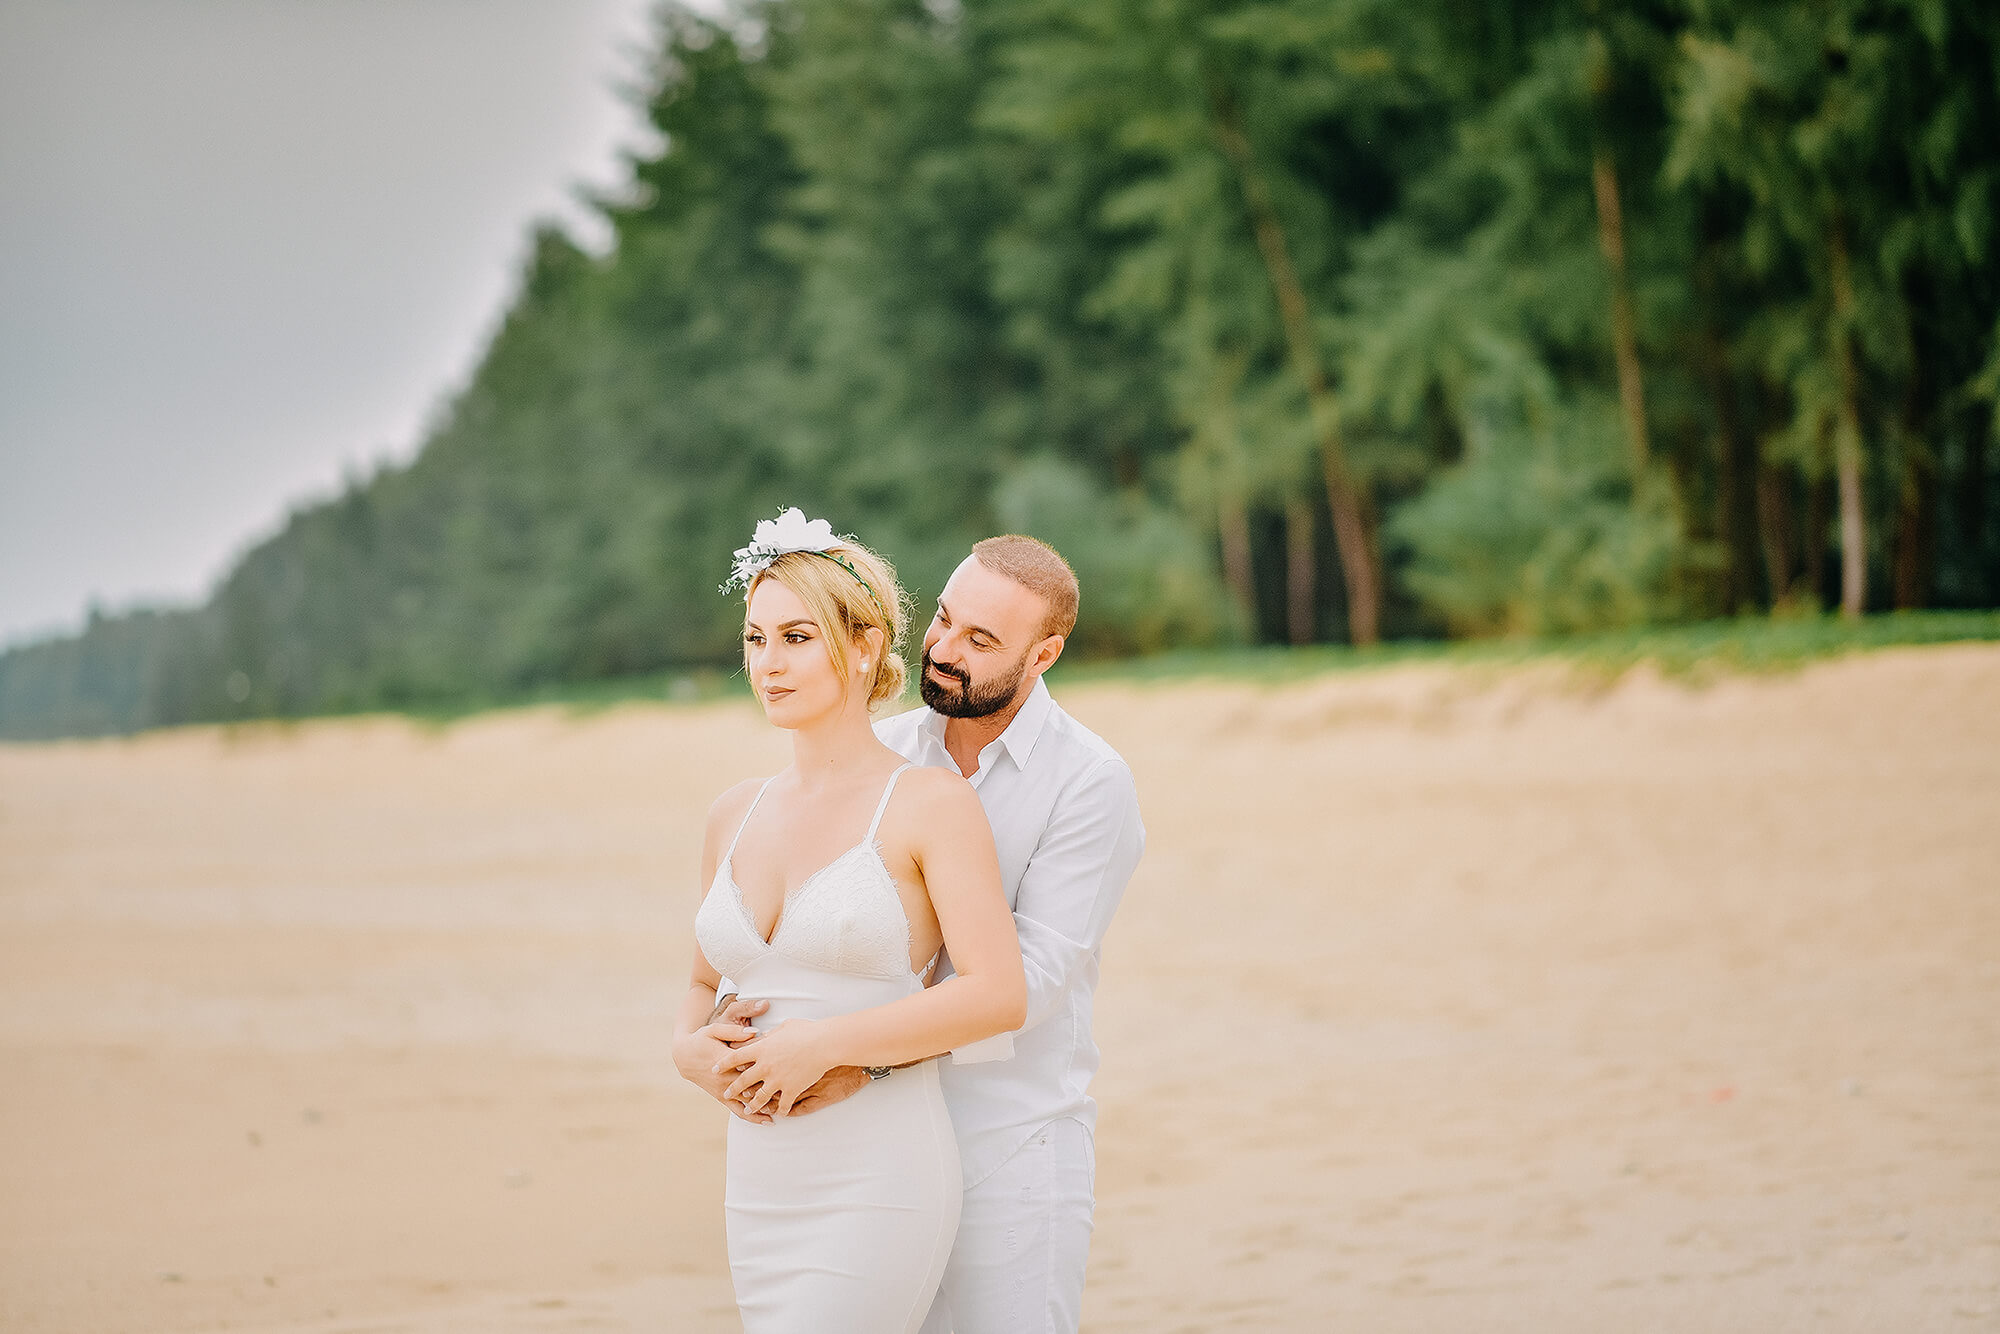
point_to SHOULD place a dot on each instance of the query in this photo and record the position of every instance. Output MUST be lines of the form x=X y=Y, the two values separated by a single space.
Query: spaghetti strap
x=746 y=817
x=883 y=805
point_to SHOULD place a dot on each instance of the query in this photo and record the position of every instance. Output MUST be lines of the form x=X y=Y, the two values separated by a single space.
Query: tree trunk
x=1847 y=431
x=1916 y=537
x=1970 y=487
x=1774 y=524
x=1357 y=554
x=1812 y=546
x=1233 y=520
x=1736 y=509
x=1735 y=513
x=1301 y=594
x=1916 y=511
x=1611 y=240
x=1364 y=597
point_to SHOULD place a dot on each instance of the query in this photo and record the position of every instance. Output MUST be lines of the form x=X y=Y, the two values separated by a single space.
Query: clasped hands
x=763 y=1076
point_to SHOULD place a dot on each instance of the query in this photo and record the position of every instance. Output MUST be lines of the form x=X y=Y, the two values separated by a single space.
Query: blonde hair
x=1039 y=568
x=849 y=590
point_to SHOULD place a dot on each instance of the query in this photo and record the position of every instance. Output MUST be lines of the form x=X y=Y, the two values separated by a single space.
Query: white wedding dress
x=839 y=1221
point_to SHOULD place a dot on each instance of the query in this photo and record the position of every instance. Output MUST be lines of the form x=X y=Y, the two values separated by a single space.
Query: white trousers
x=1017 y=1264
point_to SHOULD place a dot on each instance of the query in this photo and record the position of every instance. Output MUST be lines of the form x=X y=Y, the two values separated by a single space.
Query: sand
x=1443 y=1000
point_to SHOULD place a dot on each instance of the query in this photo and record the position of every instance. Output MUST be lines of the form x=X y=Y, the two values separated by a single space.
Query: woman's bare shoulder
x=939 y=792
x=734 y=803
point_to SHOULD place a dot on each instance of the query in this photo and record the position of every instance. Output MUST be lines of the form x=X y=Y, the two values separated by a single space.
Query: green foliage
x=1694 y=653
x=1116 y=272
x=1536 y=534
x=1148 y=583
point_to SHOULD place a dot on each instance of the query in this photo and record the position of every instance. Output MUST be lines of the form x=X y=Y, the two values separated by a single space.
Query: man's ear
x=1045 y=654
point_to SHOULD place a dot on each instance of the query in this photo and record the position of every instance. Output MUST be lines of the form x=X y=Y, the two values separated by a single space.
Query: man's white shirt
x=1065 y=818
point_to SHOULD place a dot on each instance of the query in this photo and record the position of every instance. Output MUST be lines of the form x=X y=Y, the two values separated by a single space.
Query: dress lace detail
x=845 y=918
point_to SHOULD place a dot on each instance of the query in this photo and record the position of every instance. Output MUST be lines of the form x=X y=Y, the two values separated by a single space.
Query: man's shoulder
x=900 y=732
x=1084 y=752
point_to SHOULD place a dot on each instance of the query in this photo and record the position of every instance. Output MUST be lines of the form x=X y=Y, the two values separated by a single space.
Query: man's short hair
x=1039 y=568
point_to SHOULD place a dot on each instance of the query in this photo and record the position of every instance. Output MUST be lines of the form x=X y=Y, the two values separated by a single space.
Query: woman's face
x=785 y=653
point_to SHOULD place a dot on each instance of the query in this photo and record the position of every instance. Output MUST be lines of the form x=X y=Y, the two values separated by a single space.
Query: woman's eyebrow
x=803 y=620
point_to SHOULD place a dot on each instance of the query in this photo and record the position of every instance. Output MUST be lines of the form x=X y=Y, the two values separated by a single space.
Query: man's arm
x=1068 y=893
x=1072 y=886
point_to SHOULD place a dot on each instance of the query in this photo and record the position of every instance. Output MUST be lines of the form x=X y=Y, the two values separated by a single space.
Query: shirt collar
x=1026 y=729
x=1021 y=734
x=932 y=726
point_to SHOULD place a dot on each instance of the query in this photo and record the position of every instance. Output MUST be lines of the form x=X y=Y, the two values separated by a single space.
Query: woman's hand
x=696 y=1056
x=785 y=1062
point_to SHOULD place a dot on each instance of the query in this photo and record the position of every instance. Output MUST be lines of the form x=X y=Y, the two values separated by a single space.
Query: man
x=1065 y=820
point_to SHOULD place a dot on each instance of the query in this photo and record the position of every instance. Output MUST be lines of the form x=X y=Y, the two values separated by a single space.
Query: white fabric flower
x=789 y=532
x=793 y=531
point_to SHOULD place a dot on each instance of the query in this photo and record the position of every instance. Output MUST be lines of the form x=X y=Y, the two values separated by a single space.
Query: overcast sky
x=247 y=246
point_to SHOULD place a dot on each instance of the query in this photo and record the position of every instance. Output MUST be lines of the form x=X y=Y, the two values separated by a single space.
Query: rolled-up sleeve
x=1070 y=890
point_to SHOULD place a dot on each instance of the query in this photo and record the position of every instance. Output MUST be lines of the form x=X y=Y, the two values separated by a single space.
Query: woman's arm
x=698 y=1043
x=986 y=995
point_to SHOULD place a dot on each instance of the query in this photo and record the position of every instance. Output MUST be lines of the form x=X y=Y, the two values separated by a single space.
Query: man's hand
x=732 y=1009
x=836 y=1085
x=739 y=1109
x=786 y=1060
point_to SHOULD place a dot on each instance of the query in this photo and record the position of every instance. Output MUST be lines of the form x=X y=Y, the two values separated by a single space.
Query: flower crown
x=789 y=532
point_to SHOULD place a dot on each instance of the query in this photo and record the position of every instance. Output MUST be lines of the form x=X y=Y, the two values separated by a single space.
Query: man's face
x=977 y=648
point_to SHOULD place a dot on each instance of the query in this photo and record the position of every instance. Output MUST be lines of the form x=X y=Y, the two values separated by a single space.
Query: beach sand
x=1445 y=999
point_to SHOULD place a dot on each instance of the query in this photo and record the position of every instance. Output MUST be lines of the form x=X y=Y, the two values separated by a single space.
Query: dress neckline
x=868 y=840
x=728 y=871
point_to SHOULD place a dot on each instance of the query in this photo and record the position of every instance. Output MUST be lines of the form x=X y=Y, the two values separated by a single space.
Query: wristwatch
x=878 y=1071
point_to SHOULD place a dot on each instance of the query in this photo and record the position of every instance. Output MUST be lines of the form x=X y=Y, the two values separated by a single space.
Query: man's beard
x=969 y=701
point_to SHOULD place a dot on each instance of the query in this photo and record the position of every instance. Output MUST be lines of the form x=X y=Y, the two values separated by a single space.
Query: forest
x=1287 y=321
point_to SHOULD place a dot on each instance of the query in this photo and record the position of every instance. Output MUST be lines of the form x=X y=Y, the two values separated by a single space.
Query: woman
x=831 y=886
